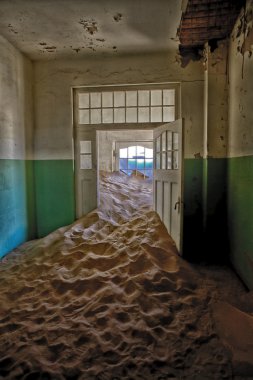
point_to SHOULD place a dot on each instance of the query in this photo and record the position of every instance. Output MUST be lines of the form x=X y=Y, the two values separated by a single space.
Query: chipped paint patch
x=117 y=17
x=244 y=31
x=11 y=29
x=50 y=49
x=189 y=54
x=90 y=26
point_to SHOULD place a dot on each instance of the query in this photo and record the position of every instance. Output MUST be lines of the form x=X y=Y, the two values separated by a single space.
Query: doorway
x=126 y=156
x=126 y=110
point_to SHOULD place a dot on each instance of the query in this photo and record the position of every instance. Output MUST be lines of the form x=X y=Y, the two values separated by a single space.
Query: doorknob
x=178 y=203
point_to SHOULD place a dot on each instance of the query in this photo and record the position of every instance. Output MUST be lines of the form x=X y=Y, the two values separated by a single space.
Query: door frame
x=124 y=126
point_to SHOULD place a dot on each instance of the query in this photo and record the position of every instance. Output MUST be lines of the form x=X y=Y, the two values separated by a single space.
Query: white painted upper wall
x=53 y=103
x=16 y=111
x=217 y=101
x=241 y=87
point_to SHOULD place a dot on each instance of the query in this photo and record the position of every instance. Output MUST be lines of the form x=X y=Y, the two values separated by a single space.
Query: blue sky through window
x=136 y=158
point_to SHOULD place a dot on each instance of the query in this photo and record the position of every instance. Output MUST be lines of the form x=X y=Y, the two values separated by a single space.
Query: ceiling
x=207 y=20
x=46 y=29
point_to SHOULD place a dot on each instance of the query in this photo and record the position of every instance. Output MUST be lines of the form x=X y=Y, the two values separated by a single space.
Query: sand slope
x=107 y=298
x=236 y=330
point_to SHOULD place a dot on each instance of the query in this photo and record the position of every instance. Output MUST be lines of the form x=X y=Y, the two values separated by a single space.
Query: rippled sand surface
x=108 y=297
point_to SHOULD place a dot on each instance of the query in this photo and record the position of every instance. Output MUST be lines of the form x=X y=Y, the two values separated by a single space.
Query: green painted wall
x=193 y=209
x=205 y=211
x=240 y=216
x=17 y=217
x=215 y=210
x=36 y=197
x=55 y=203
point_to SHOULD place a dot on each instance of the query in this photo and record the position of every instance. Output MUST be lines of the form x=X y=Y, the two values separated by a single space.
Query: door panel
x=86 y=170
x=159 y=195
x=168 y=152
x=167 y=204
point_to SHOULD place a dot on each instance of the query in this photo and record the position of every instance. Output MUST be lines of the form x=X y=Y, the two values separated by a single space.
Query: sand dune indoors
x=109 y=298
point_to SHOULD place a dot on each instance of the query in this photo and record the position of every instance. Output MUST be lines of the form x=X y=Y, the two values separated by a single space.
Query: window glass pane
x=169 y=158
x=95 y=116
x=131 y=98
x=143 y=114
x=140 y=164
x=169 y=140
x=149 y=173
x=84 y=117
x=119 y=115
x=132 y=152
x=95 y=99
x=158 y=144
x=148 y=153
x=175 y=159
x=85 y=161
x=85 y=147
x=168 y=114
x=164 y=160
x=123 y=163
x=123 y=153
x=149 y=163
x=131 y=115
x=168 y=97
x=119 y=99
x=158 y=161
x=131 y=163
x=107 y=115
x=140 y=151
x=156 y=114
x=175 y=140
x=143 y=98
x=164 y=141
x=84 y=100
x=156 y=97
x=107 y=99
x=131 y=106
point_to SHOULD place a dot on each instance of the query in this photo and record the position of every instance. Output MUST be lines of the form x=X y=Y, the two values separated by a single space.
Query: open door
x=168 y=202
x=86 y=170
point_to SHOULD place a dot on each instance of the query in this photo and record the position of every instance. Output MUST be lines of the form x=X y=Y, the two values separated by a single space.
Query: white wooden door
x=86 y=170
x=168 y=161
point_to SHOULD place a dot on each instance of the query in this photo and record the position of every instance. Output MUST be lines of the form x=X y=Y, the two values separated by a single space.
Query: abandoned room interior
x=126 y=202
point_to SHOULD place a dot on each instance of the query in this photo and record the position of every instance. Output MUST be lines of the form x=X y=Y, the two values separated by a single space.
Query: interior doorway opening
x=126 y=155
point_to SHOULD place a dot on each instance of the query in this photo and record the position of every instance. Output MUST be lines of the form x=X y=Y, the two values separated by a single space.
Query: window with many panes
x=136 y=158
x=167 y=151
x=127 y=106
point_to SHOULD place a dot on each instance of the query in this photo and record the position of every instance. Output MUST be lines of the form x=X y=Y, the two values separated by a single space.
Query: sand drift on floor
x=107 y=298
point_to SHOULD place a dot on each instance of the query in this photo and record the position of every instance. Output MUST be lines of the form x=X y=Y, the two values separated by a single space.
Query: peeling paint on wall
x=90 y=26
x=118 y=17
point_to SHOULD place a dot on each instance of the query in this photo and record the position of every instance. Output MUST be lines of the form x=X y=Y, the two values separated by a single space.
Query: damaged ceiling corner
x=205 y=21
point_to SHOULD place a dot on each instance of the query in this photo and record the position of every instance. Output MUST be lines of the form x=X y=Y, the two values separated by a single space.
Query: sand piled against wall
x=107 y=298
